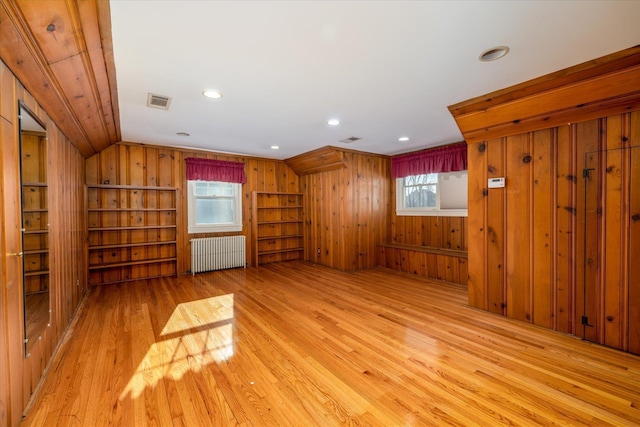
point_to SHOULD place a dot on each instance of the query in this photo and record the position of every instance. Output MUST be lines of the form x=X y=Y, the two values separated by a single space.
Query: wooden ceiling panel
x=586 y=91
x=72 y=75
x=66 y=68
x=58 y=42
x=21 y=61
x=94 y=17
x=321 y=160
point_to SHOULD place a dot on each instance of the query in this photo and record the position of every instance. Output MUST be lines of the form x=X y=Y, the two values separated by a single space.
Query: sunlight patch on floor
x=197 y=333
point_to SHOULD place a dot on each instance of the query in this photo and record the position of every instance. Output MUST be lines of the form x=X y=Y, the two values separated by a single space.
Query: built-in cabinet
x=132 y=233
x=277 y=226
x=42 y=177
x=35 y=227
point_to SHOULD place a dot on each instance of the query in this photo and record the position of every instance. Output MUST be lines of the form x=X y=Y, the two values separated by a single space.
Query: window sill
x=432 y=212
x=214 y=229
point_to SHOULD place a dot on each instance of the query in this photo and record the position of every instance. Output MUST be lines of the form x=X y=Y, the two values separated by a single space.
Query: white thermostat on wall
x=496 y=182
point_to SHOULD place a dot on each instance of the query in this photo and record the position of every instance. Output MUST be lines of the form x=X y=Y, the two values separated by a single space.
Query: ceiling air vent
x=158 y=101
x=350 y=140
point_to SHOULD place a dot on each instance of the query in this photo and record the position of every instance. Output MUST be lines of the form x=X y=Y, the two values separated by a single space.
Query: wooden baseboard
x=433 y=263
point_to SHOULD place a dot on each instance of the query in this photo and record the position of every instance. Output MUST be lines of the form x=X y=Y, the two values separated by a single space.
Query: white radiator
x=217 y=253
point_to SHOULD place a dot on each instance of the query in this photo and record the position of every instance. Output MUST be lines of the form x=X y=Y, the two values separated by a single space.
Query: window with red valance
x=450 y=158
x=215 y=170
x=214 y=195
x=432 y=182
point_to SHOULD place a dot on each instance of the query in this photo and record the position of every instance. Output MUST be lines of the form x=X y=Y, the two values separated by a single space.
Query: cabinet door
x=611 y=312
x=35 y=228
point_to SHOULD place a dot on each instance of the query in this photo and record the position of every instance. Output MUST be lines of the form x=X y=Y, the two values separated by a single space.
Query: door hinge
x=585 y=172
x=585 y=321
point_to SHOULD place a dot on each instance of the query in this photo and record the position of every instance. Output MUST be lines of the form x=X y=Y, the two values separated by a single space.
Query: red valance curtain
x=215 y=170
x=449 y=158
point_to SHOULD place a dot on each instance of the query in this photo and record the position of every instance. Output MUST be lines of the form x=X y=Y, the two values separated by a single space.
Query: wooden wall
x=347 y=211
x=520 y=262
x=144 y=165
x=429 y=246
x=527 y=240
x=609 y=214
x=19 y=376
x=450 y=266
x=441 y=232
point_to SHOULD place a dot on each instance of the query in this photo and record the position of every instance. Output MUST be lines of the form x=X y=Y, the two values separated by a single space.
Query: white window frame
x=401 y=210
x=236 y=225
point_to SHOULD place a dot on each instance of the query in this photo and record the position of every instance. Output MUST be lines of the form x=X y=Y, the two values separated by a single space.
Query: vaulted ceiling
x=386 y=69
x=61 y=52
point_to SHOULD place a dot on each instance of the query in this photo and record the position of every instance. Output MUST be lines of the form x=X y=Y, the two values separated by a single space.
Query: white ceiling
x=385 y=68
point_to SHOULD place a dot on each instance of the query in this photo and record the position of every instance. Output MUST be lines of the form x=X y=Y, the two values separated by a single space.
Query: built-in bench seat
x=435 y=263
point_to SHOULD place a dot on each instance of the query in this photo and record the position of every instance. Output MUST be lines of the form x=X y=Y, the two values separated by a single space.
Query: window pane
x=205 y=188
x=214 y=211
x=453 y=190
x=422 y=196
x=431 y=178
x=201 y=188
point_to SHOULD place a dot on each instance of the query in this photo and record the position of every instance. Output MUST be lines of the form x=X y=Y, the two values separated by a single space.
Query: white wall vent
x=158 y=101
x=350 y=140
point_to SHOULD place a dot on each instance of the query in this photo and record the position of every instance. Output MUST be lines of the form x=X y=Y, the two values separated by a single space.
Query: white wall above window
x=441 y=194
x=214 y=207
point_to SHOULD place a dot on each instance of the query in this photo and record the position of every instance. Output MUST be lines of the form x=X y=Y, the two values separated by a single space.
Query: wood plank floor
x=293 y=344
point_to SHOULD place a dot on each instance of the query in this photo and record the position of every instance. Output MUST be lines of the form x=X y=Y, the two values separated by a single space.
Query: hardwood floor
x=294 y=344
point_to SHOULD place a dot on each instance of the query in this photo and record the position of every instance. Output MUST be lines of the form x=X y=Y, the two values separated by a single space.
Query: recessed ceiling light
x=333 y=122
x=403 y=139
x=275 y=147
x=182 y=134
x=213 y=94
x=493 y=53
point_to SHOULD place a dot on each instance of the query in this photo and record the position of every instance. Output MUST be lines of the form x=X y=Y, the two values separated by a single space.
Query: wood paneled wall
x=347 y=211
x=450 y=266
x=610 y=217
x=429 y=246
x=145 y=165
x=442 y=232
x=19 y=376
x=527 y=240
x=522 y=237
x=439 y=232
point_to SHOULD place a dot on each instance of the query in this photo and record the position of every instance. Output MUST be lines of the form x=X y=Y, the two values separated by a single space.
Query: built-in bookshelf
x=132 y=232
x=277 y=227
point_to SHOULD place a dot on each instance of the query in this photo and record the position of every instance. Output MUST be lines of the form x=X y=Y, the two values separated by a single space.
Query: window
x=214 y=206
x=433 y=194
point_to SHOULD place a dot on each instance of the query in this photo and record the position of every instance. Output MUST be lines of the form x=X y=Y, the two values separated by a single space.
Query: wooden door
x=611 y=311
x=634 y=252
x=591 y=248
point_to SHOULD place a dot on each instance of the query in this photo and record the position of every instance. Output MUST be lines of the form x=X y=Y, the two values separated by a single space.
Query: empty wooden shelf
x=277 y=220
x=132 y=233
